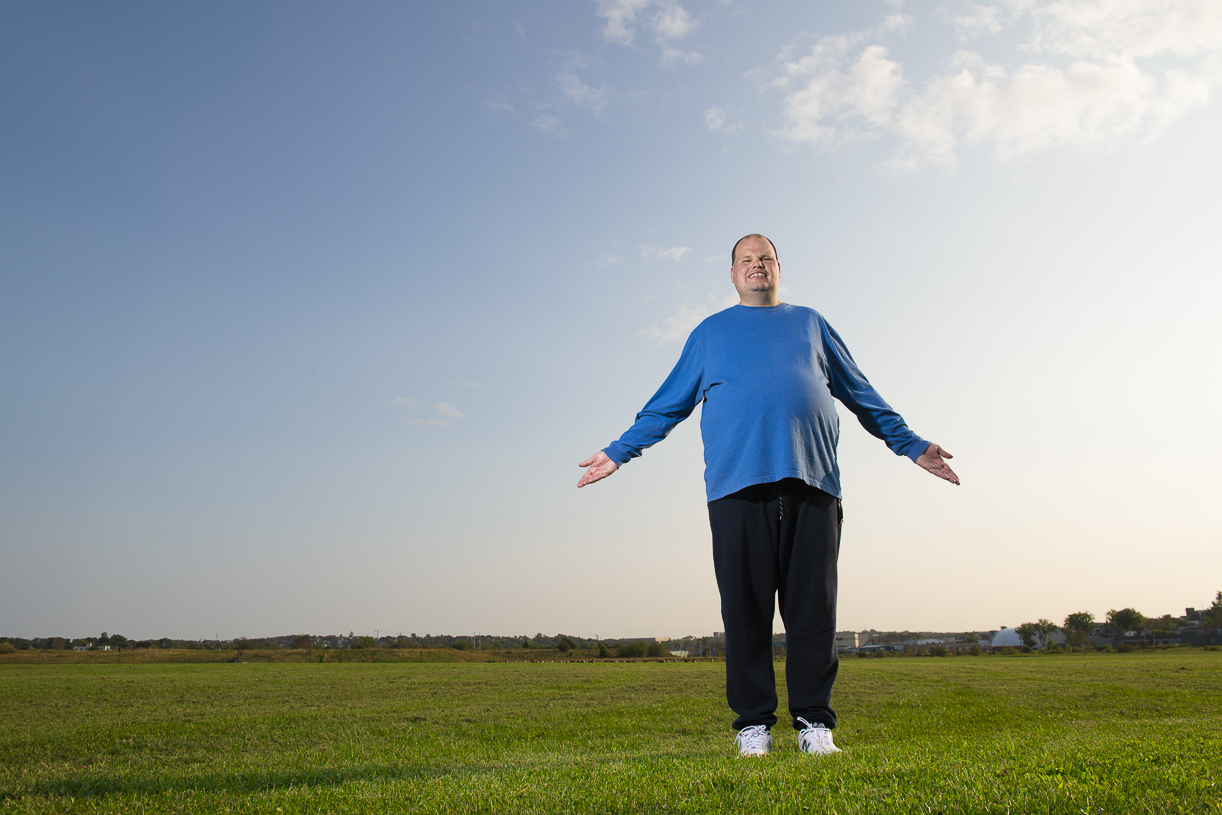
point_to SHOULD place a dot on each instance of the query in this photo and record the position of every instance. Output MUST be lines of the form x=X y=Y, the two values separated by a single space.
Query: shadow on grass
x=240 y=782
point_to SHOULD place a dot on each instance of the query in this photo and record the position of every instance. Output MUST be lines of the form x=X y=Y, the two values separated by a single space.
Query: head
x=755 y=271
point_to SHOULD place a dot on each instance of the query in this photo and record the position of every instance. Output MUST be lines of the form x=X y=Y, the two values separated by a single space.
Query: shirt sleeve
x=850 y=386
x=673 y=403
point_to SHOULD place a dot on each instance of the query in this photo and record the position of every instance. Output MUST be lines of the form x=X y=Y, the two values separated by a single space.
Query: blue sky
x=308 y=310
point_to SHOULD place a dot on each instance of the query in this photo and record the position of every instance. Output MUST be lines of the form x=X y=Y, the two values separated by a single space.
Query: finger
x=593 y=474
x=588 y=461
x=944 y=453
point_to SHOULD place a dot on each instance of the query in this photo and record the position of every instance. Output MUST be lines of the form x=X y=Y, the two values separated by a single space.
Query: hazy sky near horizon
x=309 y=310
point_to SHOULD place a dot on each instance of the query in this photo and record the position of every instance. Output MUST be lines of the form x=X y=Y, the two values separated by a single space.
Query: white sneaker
x=816 y=739
x=753 y=741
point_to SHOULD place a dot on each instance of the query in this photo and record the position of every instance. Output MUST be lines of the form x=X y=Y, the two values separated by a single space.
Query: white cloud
x=499 y=103
x=1083 y=83
x=550 y=124
x=573 y=93
x=674 y=253
x=670 y=23
x=1033 y=108
x=445 y=412
x=680 y=324
x=579 y=93
x=673 y=56
x=839 y=102
x=717 y=120
x=977 y=20
x=620 y=16
x=1127 y=29
x=896 y=22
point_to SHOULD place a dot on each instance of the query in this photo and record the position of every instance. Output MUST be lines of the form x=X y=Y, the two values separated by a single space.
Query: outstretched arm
x=932 y=460
x=600 y=466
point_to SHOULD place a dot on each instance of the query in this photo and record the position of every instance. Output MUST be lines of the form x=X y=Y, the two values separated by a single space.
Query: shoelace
x=817 y=733
x=753 y=737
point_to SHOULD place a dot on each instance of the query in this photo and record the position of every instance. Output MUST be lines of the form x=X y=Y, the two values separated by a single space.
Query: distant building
x=930 y=641
x=1010 y=637
x=846 y=639
x=1007 y=637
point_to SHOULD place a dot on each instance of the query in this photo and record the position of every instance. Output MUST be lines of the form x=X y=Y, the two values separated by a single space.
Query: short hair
x=734 y=252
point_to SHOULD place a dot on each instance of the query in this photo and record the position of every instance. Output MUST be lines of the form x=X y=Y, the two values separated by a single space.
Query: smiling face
x=756 y=272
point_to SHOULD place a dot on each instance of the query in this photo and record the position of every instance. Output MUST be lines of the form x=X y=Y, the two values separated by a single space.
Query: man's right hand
x=932 y=461
x=600 y=466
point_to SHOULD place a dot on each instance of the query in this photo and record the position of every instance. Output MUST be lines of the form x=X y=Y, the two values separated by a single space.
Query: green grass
x=1073 y=734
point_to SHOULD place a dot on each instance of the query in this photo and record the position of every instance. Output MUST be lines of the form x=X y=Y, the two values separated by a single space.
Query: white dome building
x=1011 y=637
x=1007 y=636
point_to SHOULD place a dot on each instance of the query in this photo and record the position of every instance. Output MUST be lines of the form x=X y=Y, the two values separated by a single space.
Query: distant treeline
x=564 y=643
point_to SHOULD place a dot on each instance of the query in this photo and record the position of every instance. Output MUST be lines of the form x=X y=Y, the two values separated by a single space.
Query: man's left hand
x=932 y=460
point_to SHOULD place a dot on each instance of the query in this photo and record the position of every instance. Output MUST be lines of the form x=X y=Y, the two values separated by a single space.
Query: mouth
x=755 y=275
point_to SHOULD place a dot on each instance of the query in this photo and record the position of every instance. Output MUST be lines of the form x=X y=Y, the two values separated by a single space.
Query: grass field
x=1024 y=734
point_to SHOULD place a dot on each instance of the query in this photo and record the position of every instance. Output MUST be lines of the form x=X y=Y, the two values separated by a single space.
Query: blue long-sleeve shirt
x=767 y=376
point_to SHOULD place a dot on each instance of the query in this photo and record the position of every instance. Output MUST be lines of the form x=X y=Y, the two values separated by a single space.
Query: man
x=767 y=373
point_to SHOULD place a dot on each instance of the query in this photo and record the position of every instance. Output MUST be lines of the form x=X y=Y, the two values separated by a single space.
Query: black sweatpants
x=778 y=539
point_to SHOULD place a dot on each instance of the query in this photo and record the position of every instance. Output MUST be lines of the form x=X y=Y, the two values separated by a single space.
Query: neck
x=762 y=301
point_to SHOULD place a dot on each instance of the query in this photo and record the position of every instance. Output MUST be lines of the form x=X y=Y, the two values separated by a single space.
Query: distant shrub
x=7 y=648
x=863 y=654
x=630 y=650
x=461 y=645
x=1126 y=648
x=975 y=650
x=603 y=652
x=938 y=651
x=656 y=649
x=1026 y=649
x=1008 y=650
x=241 y=644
